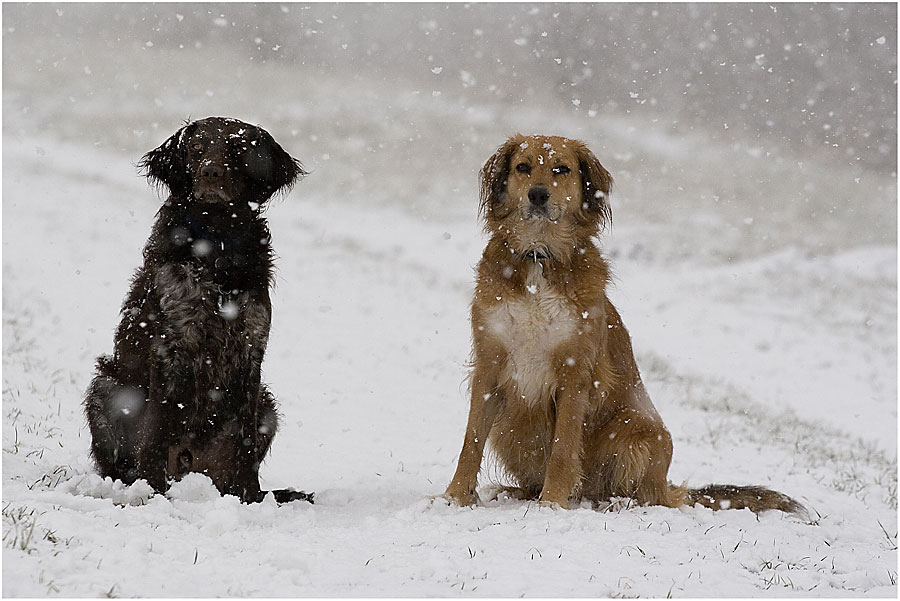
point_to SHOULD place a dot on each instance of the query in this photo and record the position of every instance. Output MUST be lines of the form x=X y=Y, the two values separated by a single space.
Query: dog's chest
x=531 y=328
x=204 y=323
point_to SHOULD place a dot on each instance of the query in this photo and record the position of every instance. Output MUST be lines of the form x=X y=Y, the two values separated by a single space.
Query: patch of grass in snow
x=18 y=527
x=21 y=532
x=835 y=459
x=53 y=479
x=33 y=419
x=891 y=538
x=773 y=573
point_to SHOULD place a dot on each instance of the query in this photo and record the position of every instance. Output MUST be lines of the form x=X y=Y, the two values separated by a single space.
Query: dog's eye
x=561 y=170
x=523 y=168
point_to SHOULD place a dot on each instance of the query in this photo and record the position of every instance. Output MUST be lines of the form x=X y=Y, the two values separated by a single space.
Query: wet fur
x=182 y=390
x=554 y=384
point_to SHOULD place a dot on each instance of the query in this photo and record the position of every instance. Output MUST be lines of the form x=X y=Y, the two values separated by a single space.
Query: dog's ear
x=167 y=164
x=272 y=165
x=597 y=184
x=494 y=176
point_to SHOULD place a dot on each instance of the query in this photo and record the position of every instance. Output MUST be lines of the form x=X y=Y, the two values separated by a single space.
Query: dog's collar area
x=200 y=231
x=230 y=303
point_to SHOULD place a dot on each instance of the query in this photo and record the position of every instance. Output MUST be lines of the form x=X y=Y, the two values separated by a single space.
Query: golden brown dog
x=554 y=384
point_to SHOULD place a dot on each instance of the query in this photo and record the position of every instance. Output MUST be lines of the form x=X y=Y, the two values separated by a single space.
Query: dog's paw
x=287 y=495
x=554 y=502
x=440 y=500
x=459 y=498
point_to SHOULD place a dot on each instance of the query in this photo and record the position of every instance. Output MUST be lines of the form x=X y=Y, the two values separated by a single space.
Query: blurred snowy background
x=754 y=148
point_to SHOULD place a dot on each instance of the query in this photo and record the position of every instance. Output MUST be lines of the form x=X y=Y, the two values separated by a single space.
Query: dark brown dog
x=182 y=391
x=554 y=383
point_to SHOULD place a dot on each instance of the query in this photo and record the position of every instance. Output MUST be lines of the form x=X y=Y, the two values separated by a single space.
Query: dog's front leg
x=248 y=442
x=153 y=454
x=171 y=387
x=245 y=482
x=564 y=473
x=486 y=403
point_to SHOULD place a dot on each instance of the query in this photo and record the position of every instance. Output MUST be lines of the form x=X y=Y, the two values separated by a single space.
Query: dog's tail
x=754 y=498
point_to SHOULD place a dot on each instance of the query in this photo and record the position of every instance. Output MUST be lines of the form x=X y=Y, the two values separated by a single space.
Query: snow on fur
x=759 y=289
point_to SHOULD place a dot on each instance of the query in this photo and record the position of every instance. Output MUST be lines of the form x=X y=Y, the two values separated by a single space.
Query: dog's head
x=545 y=194
x=223 y=161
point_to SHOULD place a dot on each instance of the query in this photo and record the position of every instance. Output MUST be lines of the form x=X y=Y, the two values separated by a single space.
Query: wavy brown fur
x=754 y=498
x=554 y=384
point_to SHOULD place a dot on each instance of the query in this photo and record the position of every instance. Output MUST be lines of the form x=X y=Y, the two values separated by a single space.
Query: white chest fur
x=531 y=327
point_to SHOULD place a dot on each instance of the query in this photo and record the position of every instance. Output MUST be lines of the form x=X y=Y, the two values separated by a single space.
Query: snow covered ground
x=759 y=286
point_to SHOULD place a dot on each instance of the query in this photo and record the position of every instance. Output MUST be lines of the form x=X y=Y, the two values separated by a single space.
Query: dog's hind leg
x=518 y=493
x=266 y=422
x=630 y=457
x=112 y=410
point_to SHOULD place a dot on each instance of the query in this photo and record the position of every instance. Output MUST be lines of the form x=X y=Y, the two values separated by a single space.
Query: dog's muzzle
x=209 y=184
x=538 y=202
x=211 y=193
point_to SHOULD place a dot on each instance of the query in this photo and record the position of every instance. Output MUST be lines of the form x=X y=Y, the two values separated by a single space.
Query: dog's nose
x=212 y=170
x=539 y=195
